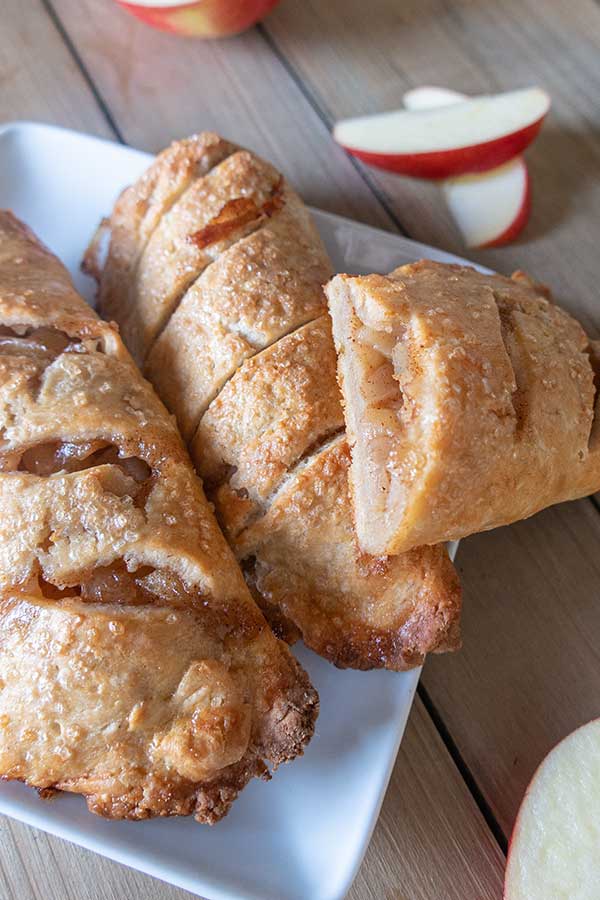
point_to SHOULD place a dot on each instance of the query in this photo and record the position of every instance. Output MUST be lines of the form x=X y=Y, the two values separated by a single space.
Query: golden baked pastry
x=469 y=400
x=244 y=357
x=135 y=668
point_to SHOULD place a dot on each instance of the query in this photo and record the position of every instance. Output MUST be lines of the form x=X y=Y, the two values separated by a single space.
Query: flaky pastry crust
x=135 y=668
x=471 y=402
x=246 y=363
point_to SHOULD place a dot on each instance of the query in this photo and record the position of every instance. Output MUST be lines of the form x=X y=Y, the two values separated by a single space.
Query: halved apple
x=555 y=846
x=471 y=136
x=199 y=18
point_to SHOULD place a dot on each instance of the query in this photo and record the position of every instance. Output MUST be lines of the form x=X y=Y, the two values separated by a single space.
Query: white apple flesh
x=490 y=208
x=471 y=136
x=428 y=96
x=555 y=848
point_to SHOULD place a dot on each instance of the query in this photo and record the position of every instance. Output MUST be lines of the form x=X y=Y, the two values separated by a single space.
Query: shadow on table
x=563 y=164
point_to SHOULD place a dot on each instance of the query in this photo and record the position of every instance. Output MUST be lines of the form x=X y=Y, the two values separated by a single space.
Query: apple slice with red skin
x=474 y=135
x=555 y=846
x=490 y=208
x=199 y=18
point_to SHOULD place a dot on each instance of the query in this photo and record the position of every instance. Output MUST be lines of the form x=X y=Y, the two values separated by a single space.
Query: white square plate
x=303 y=835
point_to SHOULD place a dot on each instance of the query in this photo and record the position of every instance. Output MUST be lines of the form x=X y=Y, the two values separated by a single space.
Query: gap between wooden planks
x=431 y=839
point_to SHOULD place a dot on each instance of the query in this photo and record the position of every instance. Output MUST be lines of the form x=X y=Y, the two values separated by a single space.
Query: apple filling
x=380 y=402
x=594 y=356
x=389 y=387
x=116 y=584
x=51 y=457
x=43 y=344
x=386 y=408
x=22 y=340
x=236 y=214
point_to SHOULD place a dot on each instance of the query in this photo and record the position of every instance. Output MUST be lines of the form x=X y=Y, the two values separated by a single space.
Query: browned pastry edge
x=336 y=621
x=368 y=649
x=210 y=801
x=363 y=648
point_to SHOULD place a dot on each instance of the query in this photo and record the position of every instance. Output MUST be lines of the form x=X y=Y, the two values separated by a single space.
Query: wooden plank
x=358 y=58
x=39 y=77
x=159 y=88
x=37 y=866
x=528 y=671
x=430 y=842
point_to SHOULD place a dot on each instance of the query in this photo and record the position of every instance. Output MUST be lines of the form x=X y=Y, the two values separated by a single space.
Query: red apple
x=492 y=208
x=472 y=136
x=203 y=18
x=555 y=846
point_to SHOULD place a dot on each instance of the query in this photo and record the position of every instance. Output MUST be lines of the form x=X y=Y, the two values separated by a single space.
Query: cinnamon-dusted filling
x=380 y=407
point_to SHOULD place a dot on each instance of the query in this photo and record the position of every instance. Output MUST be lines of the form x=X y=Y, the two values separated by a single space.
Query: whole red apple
x=202 y=18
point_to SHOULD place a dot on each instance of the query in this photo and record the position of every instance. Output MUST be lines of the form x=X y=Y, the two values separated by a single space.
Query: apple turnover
x=135 y=668
x=470 y=402
x=224 y=306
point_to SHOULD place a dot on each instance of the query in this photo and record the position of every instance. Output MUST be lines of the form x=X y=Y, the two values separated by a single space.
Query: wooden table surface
x=528 y=671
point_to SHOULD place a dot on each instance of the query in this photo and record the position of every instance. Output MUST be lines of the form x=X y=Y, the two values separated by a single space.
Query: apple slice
x=555 y=846
x=492 y=208
x=430 y=97
x=472 y=136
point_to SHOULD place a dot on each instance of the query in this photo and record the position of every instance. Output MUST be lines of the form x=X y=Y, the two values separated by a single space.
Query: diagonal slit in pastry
x=278 y=272
x=64 y=456
x=139 y=210
x=290 y=388
x=177 y=240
